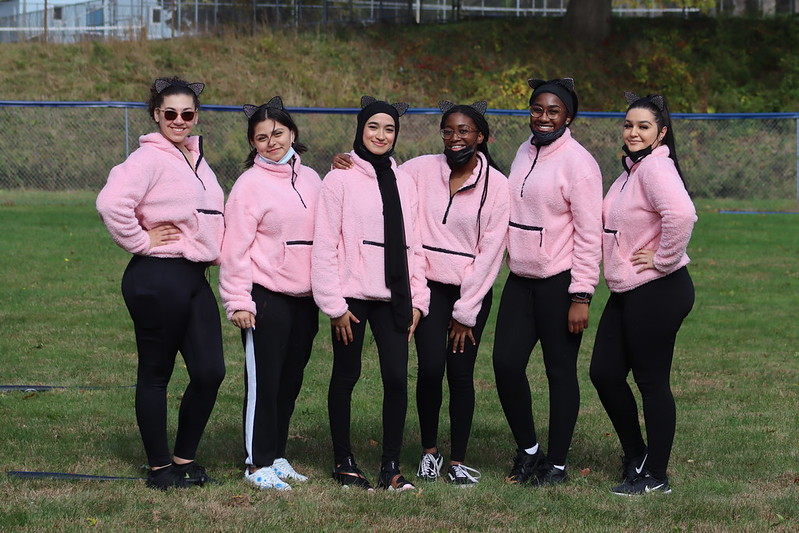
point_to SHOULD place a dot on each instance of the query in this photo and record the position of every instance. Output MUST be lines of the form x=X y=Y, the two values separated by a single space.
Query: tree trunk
x=588 y=21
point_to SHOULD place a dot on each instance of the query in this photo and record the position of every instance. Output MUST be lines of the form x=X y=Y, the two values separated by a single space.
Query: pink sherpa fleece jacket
x=556 y=213
x=155 y=185
x=649 y=209
x=347 y=259
x=270 y=227
x=453 y=253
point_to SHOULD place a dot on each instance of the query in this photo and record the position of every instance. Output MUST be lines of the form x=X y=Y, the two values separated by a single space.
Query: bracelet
x=581 y=298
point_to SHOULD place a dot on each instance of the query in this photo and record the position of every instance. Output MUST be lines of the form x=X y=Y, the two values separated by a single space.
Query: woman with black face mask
x=463 y=211
x=554 y=250
x=648 y=219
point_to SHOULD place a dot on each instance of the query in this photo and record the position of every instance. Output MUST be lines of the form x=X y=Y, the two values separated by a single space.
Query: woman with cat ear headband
x=463 y=210
x=265 y=284
x=164 y=206
x=368 y=266
x=554 y=250
x=648 y=219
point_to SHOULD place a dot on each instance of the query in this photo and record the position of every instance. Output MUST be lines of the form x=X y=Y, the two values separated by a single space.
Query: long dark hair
x=280 y=116
x=653 y=103
x=168 y=87
x=479 y=121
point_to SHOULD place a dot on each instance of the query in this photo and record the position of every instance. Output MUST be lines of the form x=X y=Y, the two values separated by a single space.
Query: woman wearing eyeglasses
x=463 y=210
x=164 y=205
x=648 y=219
x=554 y=250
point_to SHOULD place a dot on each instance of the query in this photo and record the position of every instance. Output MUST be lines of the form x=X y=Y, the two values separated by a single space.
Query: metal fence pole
x=127 y=134
x=797 y=159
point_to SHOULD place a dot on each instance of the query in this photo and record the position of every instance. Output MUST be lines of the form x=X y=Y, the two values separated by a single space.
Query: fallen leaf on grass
x=239 y=500
x=373 y=442
x=31 y=395
x=584 y=472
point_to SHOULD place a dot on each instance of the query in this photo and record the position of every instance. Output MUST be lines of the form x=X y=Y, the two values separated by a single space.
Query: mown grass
x=702 y=64
x=63 y=322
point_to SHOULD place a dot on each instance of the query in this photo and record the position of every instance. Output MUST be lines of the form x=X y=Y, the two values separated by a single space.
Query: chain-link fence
x=72 y=146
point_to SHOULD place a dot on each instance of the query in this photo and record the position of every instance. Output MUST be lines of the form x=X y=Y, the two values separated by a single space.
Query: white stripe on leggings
x=249 y=414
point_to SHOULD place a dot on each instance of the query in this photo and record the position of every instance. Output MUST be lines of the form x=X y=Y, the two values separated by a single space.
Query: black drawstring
x=537 y=151
x=294 y=177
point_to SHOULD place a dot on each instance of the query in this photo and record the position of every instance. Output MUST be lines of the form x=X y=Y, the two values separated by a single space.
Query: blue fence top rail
x=411 y=111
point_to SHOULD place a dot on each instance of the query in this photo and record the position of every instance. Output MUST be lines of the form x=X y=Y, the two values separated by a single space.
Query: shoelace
x=283 y=467
x=463 y=471
x=429 y=466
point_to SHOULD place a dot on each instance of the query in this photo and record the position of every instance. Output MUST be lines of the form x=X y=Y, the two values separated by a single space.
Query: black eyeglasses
x=447 y=133
x=169 y=114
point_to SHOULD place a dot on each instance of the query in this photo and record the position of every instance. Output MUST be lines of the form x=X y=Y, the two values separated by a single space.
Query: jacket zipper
x=537 y=151
x=530 y=228
x=445 y=251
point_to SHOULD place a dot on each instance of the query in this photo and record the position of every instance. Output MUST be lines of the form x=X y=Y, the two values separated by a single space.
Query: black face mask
x=543 y=139
x=458 y=158
x=634 y=156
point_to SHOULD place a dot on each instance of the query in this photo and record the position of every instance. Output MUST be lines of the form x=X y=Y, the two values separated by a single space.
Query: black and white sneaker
x=348 y=474
x=193 y=473
x=548 y=474
x=430 y=466
x=462 y=475
x=524 y=467
x=631 y=467
x=391 y=479
x=643 y=484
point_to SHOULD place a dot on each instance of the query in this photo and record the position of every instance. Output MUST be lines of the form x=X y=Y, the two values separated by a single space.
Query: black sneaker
x=391 y=478
x=348 y=474
x=462 y=475
x=547 y=474
x=166 y=478
x=193 y=473
x=643 y=484
x=632 y=467
x=524 y=466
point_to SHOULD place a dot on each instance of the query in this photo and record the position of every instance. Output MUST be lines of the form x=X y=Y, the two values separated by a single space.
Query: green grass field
x=735 y=465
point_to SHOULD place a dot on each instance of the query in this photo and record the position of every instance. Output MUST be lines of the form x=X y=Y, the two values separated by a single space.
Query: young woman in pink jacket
x=265 y=284
x=554 y=251
x=463 y=212
x=648 y=219
x=164 y=205
x=368 y=266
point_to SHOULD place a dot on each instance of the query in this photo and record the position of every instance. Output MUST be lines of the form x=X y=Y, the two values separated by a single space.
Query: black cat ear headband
x=566 y=83
x=401 y=107
x=274 y=103
x=163 y=83
x=480 y=107
x=656 y=99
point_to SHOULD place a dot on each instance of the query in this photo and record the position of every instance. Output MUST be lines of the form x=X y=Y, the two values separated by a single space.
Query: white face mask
x=283 y=160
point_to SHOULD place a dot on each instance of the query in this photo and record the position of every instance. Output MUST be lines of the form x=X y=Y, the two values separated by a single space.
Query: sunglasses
x=169 y=114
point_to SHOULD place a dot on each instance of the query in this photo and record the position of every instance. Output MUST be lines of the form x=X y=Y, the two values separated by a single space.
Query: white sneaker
x=462 y=475
x=286 y=471
x=430 y=466
x=265 y=478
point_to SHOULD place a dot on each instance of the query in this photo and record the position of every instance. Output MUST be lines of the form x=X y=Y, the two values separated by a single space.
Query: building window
x=94 y=18
x=58 y=13
x=156 y=16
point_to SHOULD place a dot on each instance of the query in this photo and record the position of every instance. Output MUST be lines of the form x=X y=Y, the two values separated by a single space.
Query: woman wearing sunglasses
x=463 y=210
x=554 y=250
x=164 y=206
x=265 y=284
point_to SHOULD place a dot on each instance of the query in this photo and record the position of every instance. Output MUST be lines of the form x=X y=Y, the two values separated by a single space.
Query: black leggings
x=637 y=332
x=285 y=327
x=392 y=349
x=173 y=309
x=435 y=355
x=533 y=310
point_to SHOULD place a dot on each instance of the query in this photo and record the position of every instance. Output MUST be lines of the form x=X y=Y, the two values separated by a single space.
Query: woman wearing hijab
x=554 y=250
x=648 y=219
x=368 y=266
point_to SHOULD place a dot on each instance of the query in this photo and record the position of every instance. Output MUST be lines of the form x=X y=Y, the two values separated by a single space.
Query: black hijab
x=396 y=259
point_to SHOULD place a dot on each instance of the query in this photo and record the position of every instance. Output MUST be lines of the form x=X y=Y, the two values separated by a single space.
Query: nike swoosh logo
x=640 y=469
x=653 y=489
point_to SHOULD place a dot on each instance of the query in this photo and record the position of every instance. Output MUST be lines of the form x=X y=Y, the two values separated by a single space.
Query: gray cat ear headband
x=274 y=103
x=567 y=83
x=480 y=107
x=656 y=99
x=163 y=83
x=401 y=107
